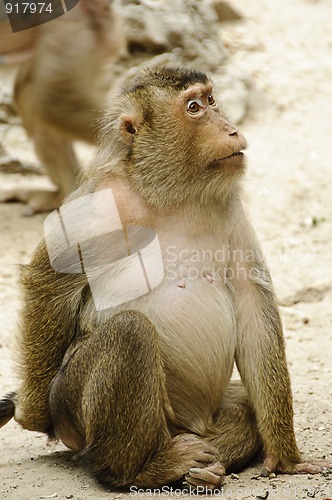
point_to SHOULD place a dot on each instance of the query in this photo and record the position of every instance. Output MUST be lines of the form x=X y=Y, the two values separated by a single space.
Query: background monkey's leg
x=54 y=148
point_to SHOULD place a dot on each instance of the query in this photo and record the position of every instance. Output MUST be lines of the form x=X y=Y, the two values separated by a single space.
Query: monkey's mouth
x=237 y=153
x=236 y=158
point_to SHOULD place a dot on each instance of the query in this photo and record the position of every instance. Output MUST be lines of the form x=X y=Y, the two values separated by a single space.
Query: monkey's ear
x=128 y=128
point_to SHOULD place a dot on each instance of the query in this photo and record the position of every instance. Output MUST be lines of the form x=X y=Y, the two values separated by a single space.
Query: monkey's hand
x=210 y=478
x=204 y=468
x=186 y=457
x=7 y=408
x=310 y=467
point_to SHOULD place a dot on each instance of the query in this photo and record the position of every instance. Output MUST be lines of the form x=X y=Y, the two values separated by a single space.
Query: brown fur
x=143 y=390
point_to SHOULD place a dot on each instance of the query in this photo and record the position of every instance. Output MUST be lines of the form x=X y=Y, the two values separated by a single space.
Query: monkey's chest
x=195 y=319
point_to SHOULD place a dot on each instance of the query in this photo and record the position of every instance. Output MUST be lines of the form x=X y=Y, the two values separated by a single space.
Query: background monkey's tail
x=7 y=408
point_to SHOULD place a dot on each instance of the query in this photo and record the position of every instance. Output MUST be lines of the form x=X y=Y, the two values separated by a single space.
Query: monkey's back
x=48 y=326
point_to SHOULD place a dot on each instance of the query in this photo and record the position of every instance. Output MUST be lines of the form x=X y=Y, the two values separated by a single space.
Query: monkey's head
x=173 y=142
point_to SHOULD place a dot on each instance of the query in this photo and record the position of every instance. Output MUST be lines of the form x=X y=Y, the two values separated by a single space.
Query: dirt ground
x=287 y=50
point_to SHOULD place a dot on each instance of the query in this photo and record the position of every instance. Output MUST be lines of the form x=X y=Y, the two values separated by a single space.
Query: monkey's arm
x=261 y=359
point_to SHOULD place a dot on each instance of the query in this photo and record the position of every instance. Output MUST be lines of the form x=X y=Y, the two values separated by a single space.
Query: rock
x=7 y=110
x=187 y=33
x=263 y=496
x=311 y=492
x=10 y=165
x=162 y=26
x=313 y=293
x=225 y=11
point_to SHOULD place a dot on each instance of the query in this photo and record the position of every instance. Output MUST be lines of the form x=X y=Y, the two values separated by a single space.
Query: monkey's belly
x=197 y=332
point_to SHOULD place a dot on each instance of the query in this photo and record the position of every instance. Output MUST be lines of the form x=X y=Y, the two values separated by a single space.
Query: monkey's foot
x=204 y=470
x=186 y=456
x=208 y=478
x=310 y=467
x=37 y=201
x=314 y=467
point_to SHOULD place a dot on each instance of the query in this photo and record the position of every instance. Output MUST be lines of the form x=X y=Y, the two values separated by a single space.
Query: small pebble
x=263 y=496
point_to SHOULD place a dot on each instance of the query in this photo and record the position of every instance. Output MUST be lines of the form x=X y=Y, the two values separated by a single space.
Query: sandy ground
x=287 y=50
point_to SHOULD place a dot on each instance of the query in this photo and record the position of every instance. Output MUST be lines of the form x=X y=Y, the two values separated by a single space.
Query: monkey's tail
x=7 y=408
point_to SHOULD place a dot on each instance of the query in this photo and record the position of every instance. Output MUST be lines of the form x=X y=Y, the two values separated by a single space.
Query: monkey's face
x=181 y=147
x=219 y=143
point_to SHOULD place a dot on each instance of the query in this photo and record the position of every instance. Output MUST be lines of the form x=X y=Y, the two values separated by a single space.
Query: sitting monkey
x=141 y=389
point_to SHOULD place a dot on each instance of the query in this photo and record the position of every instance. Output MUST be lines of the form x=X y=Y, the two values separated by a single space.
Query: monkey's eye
x=211 y=100
x=194 y=106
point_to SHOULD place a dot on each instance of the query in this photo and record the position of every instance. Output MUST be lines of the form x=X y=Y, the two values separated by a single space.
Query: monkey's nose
x=231 y=129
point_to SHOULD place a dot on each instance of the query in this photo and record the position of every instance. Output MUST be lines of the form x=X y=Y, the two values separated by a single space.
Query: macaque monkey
x=142 y=389
x=60 y=92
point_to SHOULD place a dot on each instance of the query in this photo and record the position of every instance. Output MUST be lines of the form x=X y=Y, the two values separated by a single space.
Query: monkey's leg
x=58 y=158
x=235 y=432
x=54 y=148
x=109 y=401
